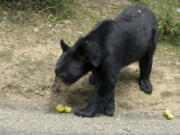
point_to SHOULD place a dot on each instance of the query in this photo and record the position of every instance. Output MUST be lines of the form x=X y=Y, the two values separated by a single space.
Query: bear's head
x=75 y=62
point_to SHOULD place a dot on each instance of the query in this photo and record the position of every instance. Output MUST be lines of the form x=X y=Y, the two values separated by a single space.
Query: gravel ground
x=23 y=118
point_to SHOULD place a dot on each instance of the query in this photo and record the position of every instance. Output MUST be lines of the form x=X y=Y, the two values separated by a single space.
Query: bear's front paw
x=108 y=109
x=86 y=112
x=145 y=85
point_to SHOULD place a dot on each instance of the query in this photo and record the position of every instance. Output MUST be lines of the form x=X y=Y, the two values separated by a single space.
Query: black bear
x=108 y=47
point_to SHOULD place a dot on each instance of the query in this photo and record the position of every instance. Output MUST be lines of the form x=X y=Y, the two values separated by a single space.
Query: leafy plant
x=143 y=1
x=29 y=90
x=168 y=19
x=168 y=28
x=125 y=106
x=44 y=86
x=166 y=94
x=59 y=8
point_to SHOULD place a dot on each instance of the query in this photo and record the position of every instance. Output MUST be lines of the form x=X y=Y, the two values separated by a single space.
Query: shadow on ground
x=77 y=95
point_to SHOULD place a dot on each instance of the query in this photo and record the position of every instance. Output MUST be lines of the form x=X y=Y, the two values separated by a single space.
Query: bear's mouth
x=58 y=84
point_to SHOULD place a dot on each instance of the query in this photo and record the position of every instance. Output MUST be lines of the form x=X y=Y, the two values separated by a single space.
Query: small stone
x=178 y=10
x=97 y=126
x=36 y=29
x=139 y=11
x=47 y=92
x=37 y=92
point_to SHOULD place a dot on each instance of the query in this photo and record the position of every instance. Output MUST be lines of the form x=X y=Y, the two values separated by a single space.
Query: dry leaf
x=97 y=126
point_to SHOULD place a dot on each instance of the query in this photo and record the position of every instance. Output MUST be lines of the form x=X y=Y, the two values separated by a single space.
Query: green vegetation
x=58 y=8
x=44 y=86
x=6 y=55
x=126 y=106
x=11 y=86
x=166 y=94
x=168 y=18
x=143 y=1
x=29 y=90
x=165 y=10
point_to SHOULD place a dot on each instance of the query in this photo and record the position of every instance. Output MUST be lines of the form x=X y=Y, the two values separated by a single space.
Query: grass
x=166 y=94
x=6 y=55
x=43 y=46
x=11 y=86
x=168 y=19
x=165 y=10
x=29 y=90
x=20 y=92
x=39 y=73
x=30 y=66
x=24 y=75
x=169 y=52
x=177 y=93
x=58 y=8
x=177 y=79
x=125 y=106
x=158 y=74
x=44 y=86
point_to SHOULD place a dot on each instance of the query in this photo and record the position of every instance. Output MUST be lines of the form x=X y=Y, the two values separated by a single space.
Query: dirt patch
x=164 y=90
x=29 y=51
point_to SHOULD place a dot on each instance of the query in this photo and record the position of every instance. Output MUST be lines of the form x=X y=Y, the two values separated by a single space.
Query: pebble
x=36 y=29
x=178 y=10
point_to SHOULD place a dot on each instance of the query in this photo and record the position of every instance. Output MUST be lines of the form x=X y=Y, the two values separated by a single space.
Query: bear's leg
x=102 y=100
x=108 y=105
x=145 y=69
x=145 y=65
x=106 y=98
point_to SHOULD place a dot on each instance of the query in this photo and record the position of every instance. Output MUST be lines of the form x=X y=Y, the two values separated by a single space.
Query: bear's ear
x=64 y=46
x=88 y=54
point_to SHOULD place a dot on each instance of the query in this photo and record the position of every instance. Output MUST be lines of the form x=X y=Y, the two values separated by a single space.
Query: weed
x=158 y=74
x=19 y=92
x=29 y=90
x=166 y=94
x=44 y=86
x=6 y=55
x=177 y=93
x=168 y=19
x=168 y=28
x=177 y=79
x=24 y=75
x=51 y=79
x=59 y=8
x=11 y=86
x=143 y=1
x=126 y=106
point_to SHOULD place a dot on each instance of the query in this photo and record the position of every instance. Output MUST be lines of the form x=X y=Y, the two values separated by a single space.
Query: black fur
x=111 y=45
